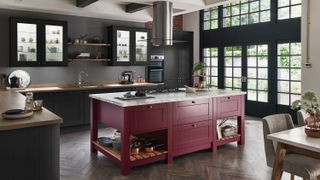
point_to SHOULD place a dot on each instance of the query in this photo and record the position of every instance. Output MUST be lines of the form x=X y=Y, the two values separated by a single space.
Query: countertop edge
x=30 y=125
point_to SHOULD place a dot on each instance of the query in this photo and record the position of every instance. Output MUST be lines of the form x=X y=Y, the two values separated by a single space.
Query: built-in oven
x=155 y=69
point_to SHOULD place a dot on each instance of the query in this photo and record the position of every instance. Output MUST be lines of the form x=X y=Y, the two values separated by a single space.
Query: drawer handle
x=150 y=107
x=194 y=125
x=193 y=102
x=228 y=97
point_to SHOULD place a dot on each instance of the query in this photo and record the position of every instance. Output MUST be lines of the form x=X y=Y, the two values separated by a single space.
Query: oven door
x=156 y=75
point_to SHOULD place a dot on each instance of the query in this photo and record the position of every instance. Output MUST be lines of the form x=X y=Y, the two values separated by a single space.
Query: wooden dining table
x=293 y=140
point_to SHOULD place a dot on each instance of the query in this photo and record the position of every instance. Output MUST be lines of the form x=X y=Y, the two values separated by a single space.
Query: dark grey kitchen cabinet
x=47 y=98
x=179 y=61
x=69 y=106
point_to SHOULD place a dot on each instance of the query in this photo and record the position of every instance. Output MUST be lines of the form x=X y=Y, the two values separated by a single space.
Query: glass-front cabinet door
x=54 y=43
x=123 y=46
x=26 y=42
x=141 y=47
x=37 y=42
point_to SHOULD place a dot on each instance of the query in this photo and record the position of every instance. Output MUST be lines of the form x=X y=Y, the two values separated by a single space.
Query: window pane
x=214 y=61
x=283 y=99
x=263 y=73
x=237 y=61
x=206 y=25
x=295 y=61
x=293 y=2
x=226 y=11
x=253 y=18
x=263 y=85
x=283 y=74
x=214 y=81
x=265 y=4
x=283 y=49
x=237 y=51
x=237 y=72
x=252 y=73
x=237 y=82
x=262 y=96
x=283 y=86
x=296 y=11
x=214 y=14
x=283 y=13
x=228 y=61
x=244 y=8
x=235 y=21
x=252 y=84
x=252 y=95
x=294 y=97
x=206 y=61
x=206 y=52
x=214 y=51
x=296 y=87
x=228 y=72
x=263 y=50
x=254 y=6
x=252 y=50
x=265 y=16
x=228 y=51
x=282 y=3
x=252 y=61
x=214 y=24
x=283 y=61
x=206 y=15
x=263 y=61
x=235 y=10
x=214 y=71
x=244 y=19
x=295 y=49
x=296 y=74
x=228 y=82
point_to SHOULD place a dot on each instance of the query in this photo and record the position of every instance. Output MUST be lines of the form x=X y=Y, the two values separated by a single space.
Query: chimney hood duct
x=162 y=23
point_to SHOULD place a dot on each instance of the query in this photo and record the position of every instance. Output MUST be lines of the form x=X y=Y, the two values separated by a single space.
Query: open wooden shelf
x=228 y=139
x=90 y=44
x=116 y=154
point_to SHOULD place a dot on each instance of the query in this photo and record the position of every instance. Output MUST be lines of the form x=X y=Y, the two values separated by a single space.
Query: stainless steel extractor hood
x=162 y=23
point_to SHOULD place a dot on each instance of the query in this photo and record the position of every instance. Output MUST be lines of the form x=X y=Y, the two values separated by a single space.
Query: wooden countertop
x=86 y=86
x=13 y=100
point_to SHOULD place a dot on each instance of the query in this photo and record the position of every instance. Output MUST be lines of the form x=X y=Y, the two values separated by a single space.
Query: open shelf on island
x=228 y=139
x=160 y=154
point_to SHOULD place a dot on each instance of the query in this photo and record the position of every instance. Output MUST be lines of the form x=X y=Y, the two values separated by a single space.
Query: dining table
x=296 y=141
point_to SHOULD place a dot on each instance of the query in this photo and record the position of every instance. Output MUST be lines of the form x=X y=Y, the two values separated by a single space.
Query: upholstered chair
x=295 y=164
x=302 y=116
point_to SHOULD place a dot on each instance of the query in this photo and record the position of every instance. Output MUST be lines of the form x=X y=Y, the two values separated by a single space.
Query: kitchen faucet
x=80 y=77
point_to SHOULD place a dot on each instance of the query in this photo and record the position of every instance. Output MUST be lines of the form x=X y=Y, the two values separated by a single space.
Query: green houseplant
x=198 y=68
x=310 y=103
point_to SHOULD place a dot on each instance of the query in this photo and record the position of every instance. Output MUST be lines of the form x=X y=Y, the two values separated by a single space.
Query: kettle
x=15 y=82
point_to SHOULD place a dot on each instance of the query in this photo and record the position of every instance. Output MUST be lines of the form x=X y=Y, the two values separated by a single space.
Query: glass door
x=54 y=43
x=26 y=42
x=123 y=46
x=141 y=47
x=233 y=67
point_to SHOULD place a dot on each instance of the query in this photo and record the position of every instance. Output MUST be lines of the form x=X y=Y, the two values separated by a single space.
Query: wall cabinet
x=130 y=46
x=38 y=42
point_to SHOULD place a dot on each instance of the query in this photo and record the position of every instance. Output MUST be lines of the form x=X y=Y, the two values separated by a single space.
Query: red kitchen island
x=182 y=122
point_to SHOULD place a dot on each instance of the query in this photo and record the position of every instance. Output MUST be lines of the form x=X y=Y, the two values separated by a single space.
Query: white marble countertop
x=163 y=97
x=296 y=137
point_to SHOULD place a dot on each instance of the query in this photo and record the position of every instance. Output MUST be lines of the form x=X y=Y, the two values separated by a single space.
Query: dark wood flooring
x=232 y=162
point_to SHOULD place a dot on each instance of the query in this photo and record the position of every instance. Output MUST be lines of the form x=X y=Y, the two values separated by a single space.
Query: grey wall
x=76 y=26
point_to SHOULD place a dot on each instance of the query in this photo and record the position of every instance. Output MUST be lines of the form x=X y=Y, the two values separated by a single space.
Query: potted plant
x=309 y=102
x=198 y=68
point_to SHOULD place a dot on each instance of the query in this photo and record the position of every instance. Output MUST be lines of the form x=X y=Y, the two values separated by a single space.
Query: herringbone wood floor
x=232 y=162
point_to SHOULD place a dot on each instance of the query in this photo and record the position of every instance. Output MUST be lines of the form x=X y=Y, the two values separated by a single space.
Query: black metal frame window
x=289 y=9
x=210 y=58
x=257 y=73
x=246 y=12
x=211 y=18
x=233 y=67
x=289 y=73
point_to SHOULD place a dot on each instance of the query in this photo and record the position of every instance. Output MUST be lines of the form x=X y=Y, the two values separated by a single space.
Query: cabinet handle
x=150 y=107
x=228 y=97
x=194 y=125
x=193 y=102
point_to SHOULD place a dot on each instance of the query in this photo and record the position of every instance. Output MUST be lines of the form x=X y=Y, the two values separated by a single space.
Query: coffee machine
x=126 y=77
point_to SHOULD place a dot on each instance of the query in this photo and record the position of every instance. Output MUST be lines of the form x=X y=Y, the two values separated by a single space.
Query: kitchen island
x=183 y=122
x=30 y=147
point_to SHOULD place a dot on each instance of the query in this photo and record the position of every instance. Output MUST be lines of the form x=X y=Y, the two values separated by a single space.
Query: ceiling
x=106 y=9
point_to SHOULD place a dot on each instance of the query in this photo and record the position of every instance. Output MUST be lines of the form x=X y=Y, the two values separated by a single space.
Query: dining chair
x=295 y=164
x=301 y=116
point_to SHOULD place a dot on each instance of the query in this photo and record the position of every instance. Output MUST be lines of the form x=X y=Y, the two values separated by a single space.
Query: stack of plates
x=16 y=114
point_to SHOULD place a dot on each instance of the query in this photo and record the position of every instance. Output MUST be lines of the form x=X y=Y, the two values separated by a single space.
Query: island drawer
x=150 y=118
x=193 y=102
x=229 y=106
x=196 y=112
x=190 y=136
